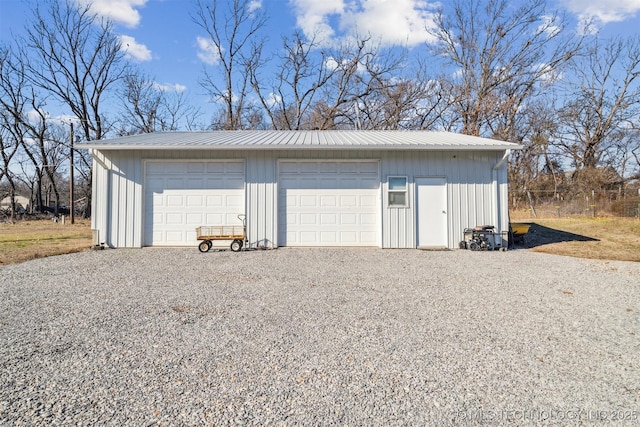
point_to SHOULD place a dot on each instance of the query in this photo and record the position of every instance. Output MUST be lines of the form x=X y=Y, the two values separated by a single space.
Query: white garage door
x=180 y=196
x=328 y=203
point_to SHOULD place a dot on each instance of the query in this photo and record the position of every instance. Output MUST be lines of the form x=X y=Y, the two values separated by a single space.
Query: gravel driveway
x=317 y=337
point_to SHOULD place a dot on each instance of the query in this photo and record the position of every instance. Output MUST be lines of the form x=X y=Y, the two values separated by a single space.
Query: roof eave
x=105 y=147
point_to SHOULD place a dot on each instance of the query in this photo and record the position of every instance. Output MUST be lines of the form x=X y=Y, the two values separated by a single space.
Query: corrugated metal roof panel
x=330 y=139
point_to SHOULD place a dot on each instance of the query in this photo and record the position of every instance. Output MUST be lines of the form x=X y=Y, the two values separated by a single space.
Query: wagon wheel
x=236 y=245
x=205 y=245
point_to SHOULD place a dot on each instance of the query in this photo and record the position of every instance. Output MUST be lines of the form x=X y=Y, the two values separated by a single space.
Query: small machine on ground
x=236 y=233
x=482 y=238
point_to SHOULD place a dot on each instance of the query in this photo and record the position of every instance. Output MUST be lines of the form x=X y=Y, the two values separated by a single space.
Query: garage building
x=389 y=189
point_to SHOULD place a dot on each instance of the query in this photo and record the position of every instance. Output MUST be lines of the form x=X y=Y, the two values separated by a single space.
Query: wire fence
x=546 y=204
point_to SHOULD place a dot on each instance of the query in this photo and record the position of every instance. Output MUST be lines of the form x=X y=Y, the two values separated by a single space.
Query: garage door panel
x=235 y=182
x=348 y=219
x=195 y=183
x=157 y=199
x=328 y=237
x=234 y=200
x=180 y=196
x=367 y=219
x=329 y=218
x=348 y=201
x=235 y=168
x=174 y=237
x=308 y=201
x=214 y=218
x=215 y=201
x=195 y=201
x=330 y=182
x=327 y=167
x=308 y=219
x=328 y=203
x=174 y=200
x=308 y=237
x=368 y=167
x=368 y=237
x=368 y=201
x=174 y=219
x=195 y=167
x=195 y=219
x=348 y=237
x=369 y=183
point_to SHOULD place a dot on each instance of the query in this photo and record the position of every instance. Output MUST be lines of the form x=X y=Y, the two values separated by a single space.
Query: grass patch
x=595 y=238
x=31 y=239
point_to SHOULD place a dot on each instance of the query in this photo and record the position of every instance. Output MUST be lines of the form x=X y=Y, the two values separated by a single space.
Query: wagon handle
x=243 y=218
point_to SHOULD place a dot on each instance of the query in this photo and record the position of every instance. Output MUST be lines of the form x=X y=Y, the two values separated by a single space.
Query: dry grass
x=595 y=238
x=26 y=240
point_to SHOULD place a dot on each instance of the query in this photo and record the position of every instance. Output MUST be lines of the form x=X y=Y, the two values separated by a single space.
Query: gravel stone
x=316 y=336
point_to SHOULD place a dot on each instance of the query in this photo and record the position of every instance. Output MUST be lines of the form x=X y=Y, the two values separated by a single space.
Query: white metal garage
x=384 y=189
x=182 y=195
x=329 y=203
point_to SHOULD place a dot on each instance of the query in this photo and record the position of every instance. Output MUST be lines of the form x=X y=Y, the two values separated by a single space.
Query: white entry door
x=431 y=215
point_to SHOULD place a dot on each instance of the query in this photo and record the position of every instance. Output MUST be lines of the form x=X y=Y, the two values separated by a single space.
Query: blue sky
x=163 y=40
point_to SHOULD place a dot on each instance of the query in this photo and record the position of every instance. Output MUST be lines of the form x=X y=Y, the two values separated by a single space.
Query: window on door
x=397 y=191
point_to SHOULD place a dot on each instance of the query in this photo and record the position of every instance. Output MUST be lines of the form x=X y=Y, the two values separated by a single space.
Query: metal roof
x=286 y=140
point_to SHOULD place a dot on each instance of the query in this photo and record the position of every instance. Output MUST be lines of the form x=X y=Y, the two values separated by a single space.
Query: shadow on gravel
x=540 y=235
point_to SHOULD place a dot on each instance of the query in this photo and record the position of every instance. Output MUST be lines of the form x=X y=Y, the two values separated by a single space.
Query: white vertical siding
x=475 y=194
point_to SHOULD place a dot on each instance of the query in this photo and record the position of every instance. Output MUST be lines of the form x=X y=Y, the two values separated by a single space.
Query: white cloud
x=255 y=5
x=170 y=87
x=120 y=11
x=548 y=74
x=313 y=17
x=331 y=63
x=604 y=11
x=207 y=51
x=34 y=116
x=273 y=99
x=390 y=22
x=135 y=50
x=549 y=26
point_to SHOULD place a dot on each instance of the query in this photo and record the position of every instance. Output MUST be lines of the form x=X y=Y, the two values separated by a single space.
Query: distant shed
x=389 y=189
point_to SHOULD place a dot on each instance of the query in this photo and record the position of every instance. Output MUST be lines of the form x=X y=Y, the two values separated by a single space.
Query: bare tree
x=603 y=105
x=25 y=122
x=500 y=55
x=9 y=147
x=301 y=73
x=151 y=107
x=233 y=30
x=8 y=144
x=417 y=103
x=141 y=103
x=361 y=71
x=74 y=55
